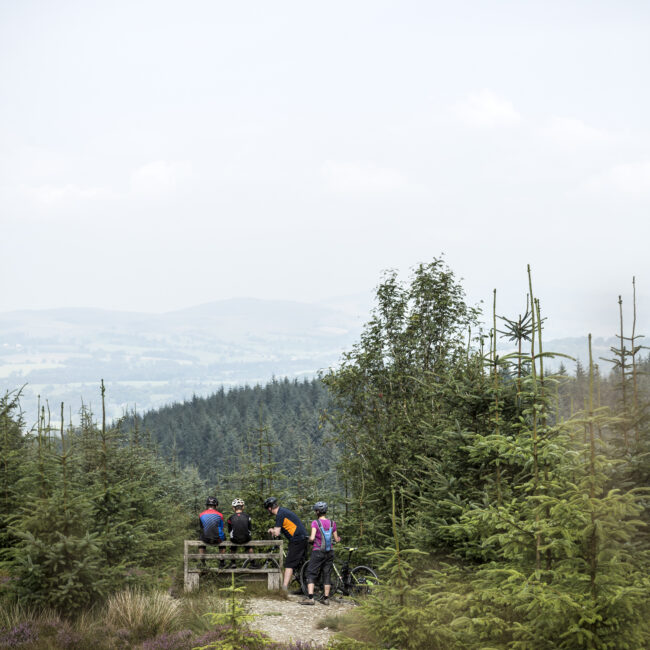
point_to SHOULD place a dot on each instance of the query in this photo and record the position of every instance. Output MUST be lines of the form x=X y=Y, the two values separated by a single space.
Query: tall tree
x=392 y=390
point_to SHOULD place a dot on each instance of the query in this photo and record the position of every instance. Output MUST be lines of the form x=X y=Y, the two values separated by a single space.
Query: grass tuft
x=192 y=613
x=330 y=622
x=143 y=614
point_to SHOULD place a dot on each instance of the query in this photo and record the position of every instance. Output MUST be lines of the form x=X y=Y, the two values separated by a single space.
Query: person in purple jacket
x=323 y=535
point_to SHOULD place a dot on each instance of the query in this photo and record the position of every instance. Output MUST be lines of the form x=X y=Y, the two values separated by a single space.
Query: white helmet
x=238 y=503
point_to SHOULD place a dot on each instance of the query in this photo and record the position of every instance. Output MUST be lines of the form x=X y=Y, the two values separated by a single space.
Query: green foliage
x=238 y=635
x=397 y=613
x=400 y=403
x=12 y=447
x=555 y=553
x=97 y=512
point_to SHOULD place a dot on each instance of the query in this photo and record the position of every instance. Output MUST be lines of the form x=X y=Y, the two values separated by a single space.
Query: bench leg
x=273 y=580
x=191 y=582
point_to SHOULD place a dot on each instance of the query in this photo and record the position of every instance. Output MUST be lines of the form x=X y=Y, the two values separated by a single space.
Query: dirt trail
x=288 y=620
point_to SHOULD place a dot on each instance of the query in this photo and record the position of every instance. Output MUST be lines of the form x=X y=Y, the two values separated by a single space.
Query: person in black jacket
x=240 y=530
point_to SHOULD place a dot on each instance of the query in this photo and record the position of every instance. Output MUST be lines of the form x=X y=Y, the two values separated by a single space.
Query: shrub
x=20 y=634
x=181 y=640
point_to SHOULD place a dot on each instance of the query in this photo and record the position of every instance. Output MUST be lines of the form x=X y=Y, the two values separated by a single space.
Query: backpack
x=325 y=536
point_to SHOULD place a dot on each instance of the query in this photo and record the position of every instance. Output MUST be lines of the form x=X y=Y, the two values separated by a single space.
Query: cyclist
x=239 y=529
x=211 y=527
x=323 y=535
x=289 y=524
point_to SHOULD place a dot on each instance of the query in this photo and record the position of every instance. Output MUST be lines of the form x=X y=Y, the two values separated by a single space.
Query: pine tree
x=13 y=447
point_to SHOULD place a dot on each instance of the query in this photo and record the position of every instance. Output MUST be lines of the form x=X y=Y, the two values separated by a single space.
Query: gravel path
x=287 y=620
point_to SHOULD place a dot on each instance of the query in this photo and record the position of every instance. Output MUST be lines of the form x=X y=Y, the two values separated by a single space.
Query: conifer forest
x=503 y=498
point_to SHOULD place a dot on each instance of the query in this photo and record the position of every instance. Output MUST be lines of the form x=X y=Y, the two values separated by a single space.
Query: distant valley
x=149 y=360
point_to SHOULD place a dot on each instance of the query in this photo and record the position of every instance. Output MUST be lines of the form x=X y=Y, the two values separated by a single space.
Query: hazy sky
x=157 y=155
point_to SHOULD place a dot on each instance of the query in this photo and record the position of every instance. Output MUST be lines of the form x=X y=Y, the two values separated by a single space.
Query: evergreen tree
x=12 y=452
x=398 y=398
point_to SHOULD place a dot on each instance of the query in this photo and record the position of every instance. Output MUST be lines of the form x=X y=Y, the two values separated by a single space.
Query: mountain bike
x=358 y=581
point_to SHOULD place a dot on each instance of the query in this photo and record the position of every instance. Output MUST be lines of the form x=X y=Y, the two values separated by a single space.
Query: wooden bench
x=194 y=564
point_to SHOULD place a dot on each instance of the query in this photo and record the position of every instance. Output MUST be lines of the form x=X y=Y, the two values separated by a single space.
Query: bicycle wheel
x=303 y=576
x=297 y=585
x=363 y=581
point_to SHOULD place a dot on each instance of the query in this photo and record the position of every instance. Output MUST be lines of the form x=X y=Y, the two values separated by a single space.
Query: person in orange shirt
x=288 y=524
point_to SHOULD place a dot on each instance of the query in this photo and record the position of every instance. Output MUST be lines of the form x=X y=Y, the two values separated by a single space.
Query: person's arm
x=230 y=524
x=335 y=533
x=312 y=534
x=275 y=531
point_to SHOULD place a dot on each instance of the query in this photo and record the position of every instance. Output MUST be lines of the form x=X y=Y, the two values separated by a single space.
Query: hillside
x=219 y=433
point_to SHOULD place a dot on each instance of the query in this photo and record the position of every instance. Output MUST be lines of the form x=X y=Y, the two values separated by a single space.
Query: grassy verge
x=132 y=619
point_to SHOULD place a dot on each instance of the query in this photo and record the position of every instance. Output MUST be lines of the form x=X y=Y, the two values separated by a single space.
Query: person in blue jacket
x=211 y=527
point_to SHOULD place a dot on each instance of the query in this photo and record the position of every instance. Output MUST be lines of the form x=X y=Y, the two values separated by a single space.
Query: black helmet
x=270 y=502
x=211 y=502
x=320 y=507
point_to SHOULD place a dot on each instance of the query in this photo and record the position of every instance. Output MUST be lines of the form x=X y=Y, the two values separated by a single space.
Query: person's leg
x=328 y=561
x=313 y=569
x=295 y=554
x=252 y=564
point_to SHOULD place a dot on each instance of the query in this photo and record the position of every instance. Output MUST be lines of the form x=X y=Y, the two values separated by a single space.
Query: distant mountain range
x=148 y=360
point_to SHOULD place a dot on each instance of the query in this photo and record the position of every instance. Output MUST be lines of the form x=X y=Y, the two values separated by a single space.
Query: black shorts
x=211 y=542
x=295 y=553
x=320 y=560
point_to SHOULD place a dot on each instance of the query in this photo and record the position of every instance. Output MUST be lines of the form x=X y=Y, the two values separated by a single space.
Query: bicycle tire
x=296 y=584
x=363 y=581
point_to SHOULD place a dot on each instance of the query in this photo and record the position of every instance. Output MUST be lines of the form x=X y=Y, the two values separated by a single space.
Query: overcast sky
x=157 y=155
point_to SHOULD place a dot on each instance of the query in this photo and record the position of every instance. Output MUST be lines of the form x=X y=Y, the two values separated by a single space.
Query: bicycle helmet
x=238 y=503
x=320 y=507
x=211 y=502
x=270 y=502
